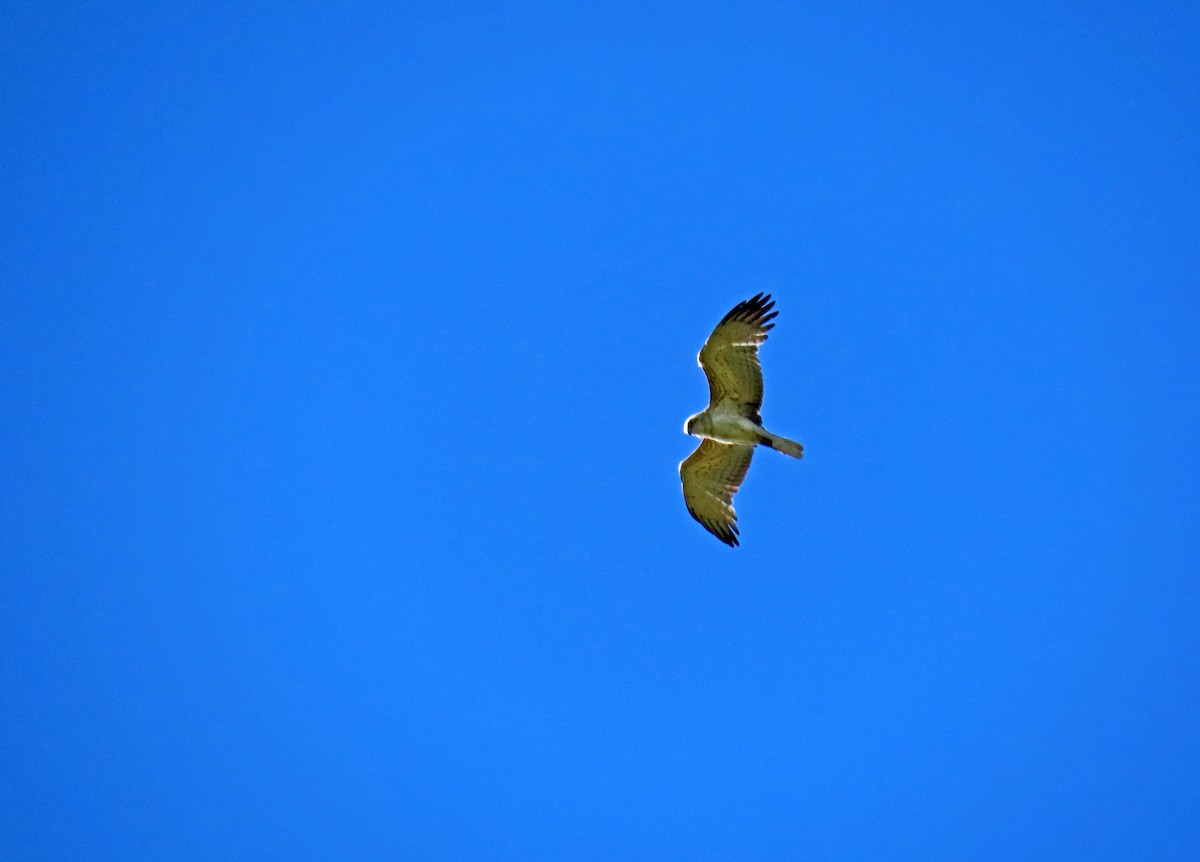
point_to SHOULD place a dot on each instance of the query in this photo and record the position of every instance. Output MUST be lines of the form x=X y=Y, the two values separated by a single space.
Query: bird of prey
x=730 y=427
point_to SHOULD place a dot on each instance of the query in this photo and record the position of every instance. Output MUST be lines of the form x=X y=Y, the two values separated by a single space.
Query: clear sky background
x=344 y=355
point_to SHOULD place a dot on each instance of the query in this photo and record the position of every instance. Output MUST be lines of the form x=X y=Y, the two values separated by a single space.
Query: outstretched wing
x=730 y=356
x=711 y=476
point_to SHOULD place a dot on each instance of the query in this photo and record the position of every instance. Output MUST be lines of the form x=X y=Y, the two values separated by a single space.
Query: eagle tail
x=782 y=444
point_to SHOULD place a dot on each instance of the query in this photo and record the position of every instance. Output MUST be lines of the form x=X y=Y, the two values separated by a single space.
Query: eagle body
x=724 y=423
x=730 y=427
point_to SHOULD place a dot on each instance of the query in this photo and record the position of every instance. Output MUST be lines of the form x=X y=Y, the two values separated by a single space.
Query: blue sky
x=345 y=353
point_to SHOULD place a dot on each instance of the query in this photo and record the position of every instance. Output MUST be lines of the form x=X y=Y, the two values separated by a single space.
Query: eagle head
x=694 y=424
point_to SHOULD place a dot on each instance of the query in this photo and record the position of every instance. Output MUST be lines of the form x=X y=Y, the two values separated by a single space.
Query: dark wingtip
x=756 y=309
x=727 y=533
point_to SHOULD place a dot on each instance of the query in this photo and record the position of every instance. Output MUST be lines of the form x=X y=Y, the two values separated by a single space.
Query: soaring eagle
x=730 y=427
